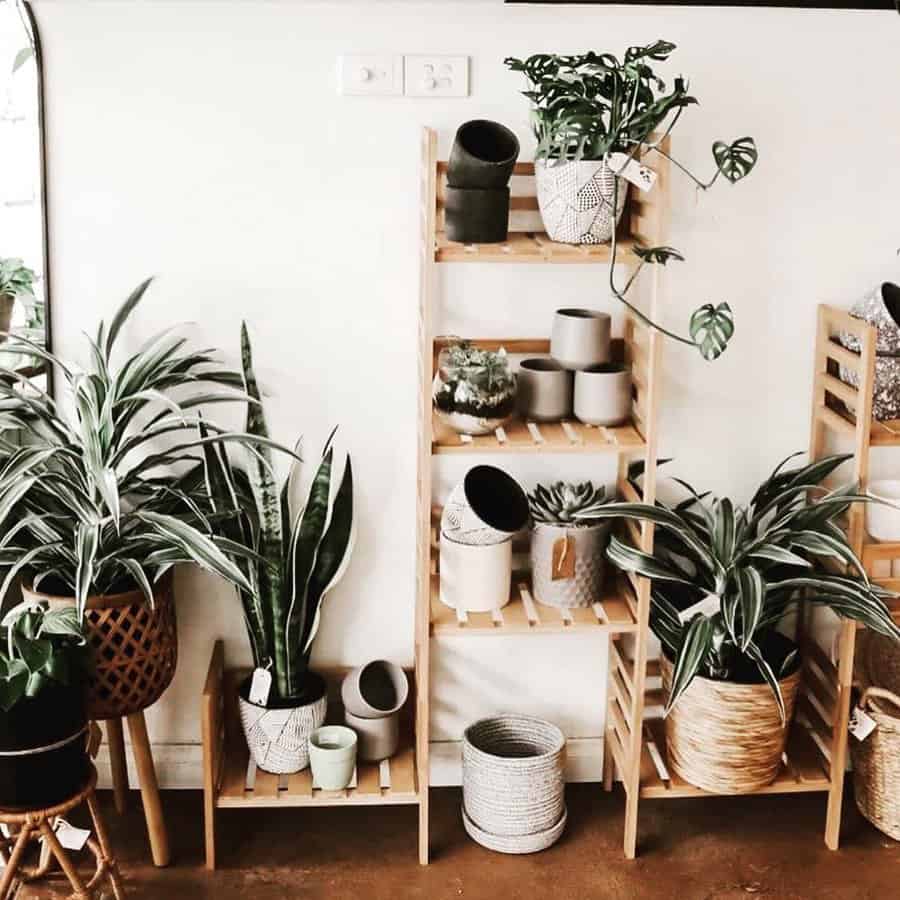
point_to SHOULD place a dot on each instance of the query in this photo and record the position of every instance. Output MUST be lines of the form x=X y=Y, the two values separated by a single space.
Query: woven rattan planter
x=513 y=786
x=134 y=648
x=725 y=737
x=876 y=762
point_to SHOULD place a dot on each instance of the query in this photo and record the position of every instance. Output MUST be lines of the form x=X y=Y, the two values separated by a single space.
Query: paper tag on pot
x=69 y=836
x=260 y=687
x=563 y=560
x=708 y=606
x=861 y=723
x=631 y=170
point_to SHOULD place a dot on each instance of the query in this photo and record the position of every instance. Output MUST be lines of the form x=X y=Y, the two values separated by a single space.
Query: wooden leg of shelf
x=608 y=765
x=143 y=759
x=115 y=739
x=423 y=826
x=209 y=828
x=65 y=863
x=631 y=820
x=839 y=736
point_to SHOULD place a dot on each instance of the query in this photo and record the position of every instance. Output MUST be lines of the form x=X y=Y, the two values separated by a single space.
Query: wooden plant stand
x=626 y=607
x=231 y=779
x=38 y=823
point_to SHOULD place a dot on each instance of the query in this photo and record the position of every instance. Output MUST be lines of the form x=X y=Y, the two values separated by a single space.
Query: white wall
x=205 y=142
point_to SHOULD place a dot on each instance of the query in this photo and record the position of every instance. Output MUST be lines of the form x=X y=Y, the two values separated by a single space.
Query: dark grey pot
x=483 y=155
x=476 y=216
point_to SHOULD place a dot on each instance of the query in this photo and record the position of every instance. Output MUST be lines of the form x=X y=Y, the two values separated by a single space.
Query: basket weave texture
x=134 y=648
x=513 y=784
x=882 y=661
x=727 y=738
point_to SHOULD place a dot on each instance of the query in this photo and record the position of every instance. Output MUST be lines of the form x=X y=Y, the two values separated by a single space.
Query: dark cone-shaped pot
x=476 y=215
x=43 y=749
x=484 y=154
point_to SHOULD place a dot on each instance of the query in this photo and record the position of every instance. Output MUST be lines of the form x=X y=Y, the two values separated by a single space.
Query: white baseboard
x=180 y=766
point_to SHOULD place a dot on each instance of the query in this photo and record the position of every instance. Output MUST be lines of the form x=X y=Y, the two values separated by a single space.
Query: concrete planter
x=584 y=586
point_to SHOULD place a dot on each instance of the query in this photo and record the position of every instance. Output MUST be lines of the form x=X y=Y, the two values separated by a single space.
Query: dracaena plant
x=99 y=499
x=290 y=558
x=724 y=576
x=591 y=105
x=39 y=648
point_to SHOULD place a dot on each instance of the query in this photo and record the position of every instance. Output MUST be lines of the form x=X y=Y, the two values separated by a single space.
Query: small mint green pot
x=332 y=756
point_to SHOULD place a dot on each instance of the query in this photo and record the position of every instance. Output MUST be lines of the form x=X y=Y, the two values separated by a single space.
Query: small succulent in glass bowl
x=474 y=390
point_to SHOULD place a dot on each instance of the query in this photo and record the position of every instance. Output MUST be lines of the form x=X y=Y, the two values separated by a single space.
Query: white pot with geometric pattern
x=576 y=200
x=575 y=583
x=278 y=737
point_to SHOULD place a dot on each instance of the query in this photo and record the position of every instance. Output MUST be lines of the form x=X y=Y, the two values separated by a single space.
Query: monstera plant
x=596 y=106
x=290 y=558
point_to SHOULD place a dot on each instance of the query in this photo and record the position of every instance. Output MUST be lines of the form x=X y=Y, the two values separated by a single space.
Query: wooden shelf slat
x=529 y=247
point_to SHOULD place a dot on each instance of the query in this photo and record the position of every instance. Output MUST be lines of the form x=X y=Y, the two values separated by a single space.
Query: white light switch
x=371 y=74
x=436 y=76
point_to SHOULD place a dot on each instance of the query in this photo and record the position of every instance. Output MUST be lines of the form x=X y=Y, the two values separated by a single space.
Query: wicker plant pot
x=134 y=648
x=882 y=661
x=583 y=585
x=513 y=787
x=876 y=762
x=727 y=738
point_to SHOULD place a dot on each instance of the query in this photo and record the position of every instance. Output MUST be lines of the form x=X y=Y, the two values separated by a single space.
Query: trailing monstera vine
x=592 y=105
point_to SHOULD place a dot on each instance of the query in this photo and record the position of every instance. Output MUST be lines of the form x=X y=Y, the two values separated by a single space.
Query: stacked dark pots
x=476 y=204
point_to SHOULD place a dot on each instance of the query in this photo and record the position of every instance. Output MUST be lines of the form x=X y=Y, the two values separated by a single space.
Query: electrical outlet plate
x=371 y=75
x=436 y=76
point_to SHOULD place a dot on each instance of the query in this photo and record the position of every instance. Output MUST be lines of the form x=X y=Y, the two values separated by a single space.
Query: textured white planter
x=487 y=507
x=882 y=521
x=475 y=577
x=585 y=587
x=576 y=200
x=279 y=738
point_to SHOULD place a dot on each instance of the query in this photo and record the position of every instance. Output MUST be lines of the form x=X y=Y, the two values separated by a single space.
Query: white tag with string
x=260 y=687
x=709 y=606
x=631 y=170
x=69 y=836
x=861 y=724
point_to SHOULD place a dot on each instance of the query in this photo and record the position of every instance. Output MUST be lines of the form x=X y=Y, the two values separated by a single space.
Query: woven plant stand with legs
x=35 y=824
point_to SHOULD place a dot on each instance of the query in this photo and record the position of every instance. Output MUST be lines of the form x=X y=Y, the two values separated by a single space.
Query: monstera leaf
x=659 y=255
x=737 y=159
x=711 y=329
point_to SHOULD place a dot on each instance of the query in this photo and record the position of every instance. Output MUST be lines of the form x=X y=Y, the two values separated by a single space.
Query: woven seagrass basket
x=134 y=648
x=725 y=737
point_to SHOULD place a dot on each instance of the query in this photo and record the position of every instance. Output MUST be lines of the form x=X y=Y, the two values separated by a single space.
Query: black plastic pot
x=476 y=215
x=43 y=749
x=483 y=155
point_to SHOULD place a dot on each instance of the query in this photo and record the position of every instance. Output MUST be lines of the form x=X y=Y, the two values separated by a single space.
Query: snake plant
x=91 y=504
x=724 y=576
x=560 y=503
x=290 y=558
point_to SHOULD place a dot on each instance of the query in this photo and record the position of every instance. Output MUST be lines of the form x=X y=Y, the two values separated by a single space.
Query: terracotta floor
x=717 y=849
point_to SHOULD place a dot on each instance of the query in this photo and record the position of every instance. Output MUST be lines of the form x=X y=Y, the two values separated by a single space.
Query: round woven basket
x=513 y=784
x=725 y=737
x=134 y=648
x=882 y=661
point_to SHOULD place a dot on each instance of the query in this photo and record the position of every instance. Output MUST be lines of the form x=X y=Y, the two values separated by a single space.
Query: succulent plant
x=559 y=503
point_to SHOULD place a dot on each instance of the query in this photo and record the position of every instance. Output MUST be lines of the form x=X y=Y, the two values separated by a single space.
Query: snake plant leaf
x=122 y=314
x=658 y=255
x=711 y=329
x=693 y=652
x=770 y=678
x=737 y=159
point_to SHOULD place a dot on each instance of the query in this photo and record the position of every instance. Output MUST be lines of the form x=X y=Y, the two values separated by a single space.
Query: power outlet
x=372 y=75
x=436 y=76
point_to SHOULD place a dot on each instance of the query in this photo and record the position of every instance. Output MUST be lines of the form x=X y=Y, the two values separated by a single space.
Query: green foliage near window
x=16 y=279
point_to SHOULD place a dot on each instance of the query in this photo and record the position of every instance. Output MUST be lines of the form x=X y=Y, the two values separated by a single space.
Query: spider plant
x=91 y=504
x=724 y=576
x=591 y=105
x=290 y=559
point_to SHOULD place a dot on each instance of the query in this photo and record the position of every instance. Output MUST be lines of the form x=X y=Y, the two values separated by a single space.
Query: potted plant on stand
x=724 y=578
x=16 y=283
x=290 y=559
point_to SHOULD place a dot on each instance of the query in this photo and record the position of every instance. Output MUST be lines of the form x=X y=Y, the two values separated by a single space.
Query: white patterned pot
x=487 y=507
x=585 y=586
x=576 y=200
x=279 y=738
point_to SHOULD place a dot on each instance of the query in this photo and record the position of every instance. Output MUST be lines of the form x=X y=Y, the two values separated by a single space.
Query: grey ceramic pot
x=543 y=390
x=603 y=394
x=589 y=545
x=378 y=738
x=476 y=215
x=379 y=688
x=580 y=338
x=483 y=155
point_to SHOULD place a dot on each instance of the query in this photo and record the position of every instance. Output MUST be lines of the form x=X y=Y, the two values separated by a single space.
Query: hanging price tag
x=69 y=836
x=631 y=170
x=260 y=687
x=861 y=724
x=563 y=560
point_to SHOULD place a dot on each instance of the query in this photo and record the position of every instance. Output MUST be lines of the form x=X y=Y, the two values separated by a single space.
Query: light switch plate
x=436 y=76
x=371 y=74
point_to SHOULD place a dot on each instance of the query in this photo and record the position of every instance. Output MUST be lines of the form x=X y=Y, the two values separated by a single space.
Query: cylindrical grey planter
x=543 y=390
x=881 y=308
x=603 y=394
x=513 y=784
x=379 y=688
x=378 y=738
x=580 y=338
x=483 y=155
x=476 y=215
x=588 y=543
